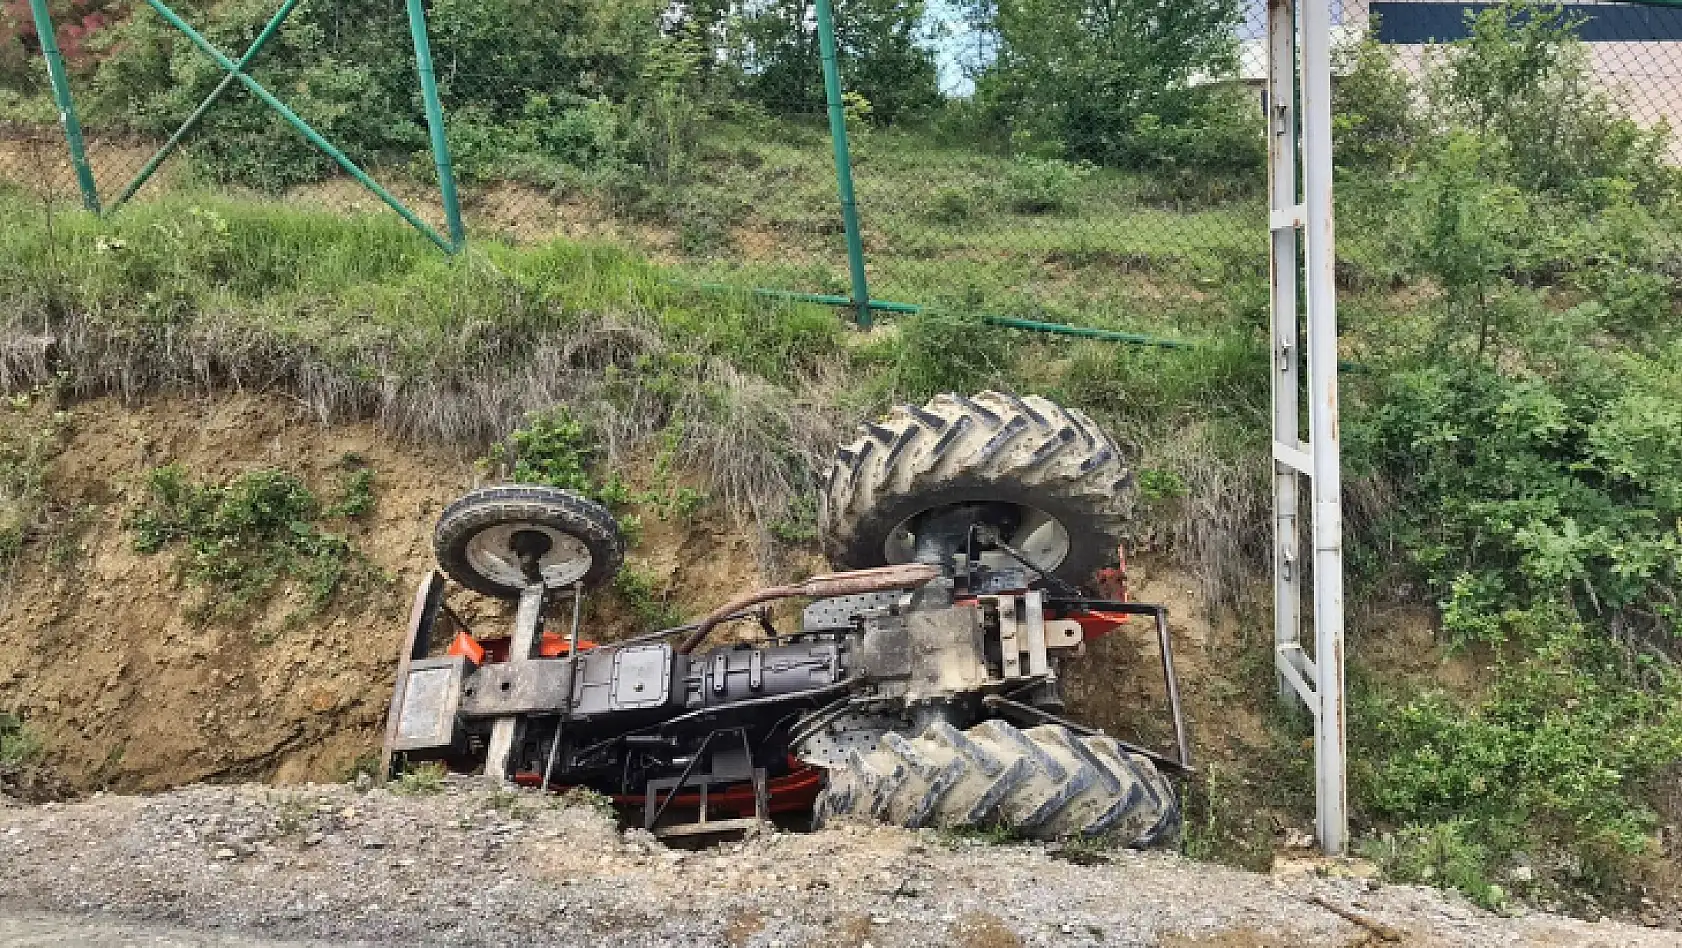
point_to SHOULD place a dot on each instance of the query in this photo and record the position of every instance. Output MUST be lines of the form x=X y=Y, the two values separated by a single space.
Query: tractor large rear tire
x=1041 y=783
x=991 y=449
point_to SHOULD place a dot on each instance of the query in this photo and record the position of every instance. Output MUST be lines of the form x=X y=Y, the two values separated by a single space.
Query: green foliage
x=881 y=44
x=585 y=798
x=239 y=538
x=417 y=779
x=937 y=351
x=1374 y=118
x=800 y=524
x=348 y=83
x=534 y=73
x=1219 y=826
x=640 y=592
x=1522 y=490
x=356 y=494
x=1113 y=83
x=1044 y=185
x=18 y=744
x=1522 y=81
x=1518 y=413
x=1554 y=758
x=1443 y=854
x=952 y=205
x=553 y=448
x=28 y=442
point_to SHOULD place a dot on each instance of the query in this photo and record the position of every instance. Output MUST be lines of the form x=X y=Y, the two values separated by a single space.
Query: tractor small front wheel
x=498 y=540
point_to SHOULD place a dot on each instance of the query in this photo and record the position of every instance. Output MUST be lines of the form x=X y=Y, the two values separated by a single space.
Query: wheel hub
x=947 y=529
x=522 y=553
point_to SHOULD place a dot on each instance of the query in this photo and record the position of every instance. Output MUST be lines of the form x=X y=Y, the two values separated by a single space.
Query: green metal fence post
x=169 y=147
x=60 y=81
x=843 y=163
x=314 y=137
x=435 y=123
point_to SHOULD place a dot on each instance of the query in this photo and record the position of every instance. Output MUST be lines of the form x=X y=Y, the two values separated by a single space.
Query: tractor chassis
x=429 y=699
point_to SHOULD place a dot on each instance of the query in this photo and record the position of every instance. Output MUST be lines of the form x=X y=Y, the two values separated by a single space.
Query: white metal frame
x=1316 y=679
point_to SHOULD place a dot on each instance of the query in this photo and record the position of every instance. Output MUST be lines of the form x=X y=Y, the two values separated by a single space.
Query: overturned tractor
x=920 y=688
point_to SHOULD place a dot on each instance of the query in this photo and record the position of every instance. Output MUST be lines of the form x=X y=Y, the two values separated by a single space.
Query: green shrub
x=418 y=779
x=1375 y=120
x=18 y=744
x=239 y=538
x=520 y=78
x=1523 y=81
x=937 y=351
x=1115 y=85
x=1443 y=854
x=28 y=444
x=952 y=205
x=1550 y=764
x=637 y=589
x=1044 y=185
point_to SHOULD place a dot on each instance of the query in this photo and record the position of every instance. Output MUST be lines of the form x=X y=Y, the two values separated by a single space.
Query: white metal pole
x=1283 y=277
x=1331 y=783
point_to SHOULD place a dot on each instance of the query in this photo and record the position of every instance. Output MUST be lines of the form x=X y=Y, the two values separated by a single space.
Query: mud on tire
x=1041 y=783
x=992 y=448
x=472 y=531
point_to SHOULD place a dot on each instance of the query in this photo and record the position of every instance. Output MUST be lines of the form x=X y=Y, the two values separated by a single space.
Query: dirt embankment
x=103 y=656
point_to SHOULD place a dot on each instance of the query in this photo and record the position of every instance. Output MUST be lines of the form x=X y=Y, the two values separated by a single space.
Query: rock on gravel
x=472 y=866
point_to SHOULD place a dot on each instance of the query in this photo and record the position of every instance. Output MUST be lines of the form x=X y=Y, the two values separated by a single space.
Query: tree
x=1118 y=81
x=1521 y=78
x=881 y=46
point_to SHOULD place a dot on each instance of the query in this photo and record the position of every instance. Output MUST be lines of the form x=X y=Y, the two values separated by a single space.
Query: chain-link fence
x=1098 y=164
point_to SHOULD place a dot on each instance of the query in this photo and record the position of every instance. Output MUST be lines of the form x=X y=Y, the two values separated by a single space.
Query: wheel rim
x=1038 y=535
x=490 y=553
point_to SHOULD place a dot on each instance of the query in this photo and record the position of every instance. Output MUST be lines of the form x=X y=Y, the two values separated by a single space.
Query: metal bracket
x=527 y=622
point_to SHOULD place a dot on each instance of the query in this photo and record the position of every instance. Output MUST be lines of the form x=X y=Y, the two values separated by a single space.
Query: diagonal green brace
x=314 y=137
x=209 y=100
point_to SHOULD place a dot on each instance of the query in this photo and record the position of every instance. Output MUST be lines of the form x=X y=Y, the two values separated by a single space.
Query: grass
x=420 y=779
x=30 y=436
x=18 y=744
x=361 y=317
x=236 y=540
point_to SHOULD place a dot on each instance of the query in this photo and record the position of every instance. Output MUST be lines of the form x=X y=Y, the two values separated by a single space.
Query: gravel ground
x=34 y=929
x=469 y=866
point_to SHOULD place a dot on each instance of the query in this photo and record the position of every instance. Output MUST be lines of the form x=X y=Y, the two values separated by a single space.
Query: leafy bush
x=352 y=85
x=1115 y=84
x=1549 y=765
x=937 y=351
x=18 y=744
x=238 y=539
x=881 y=44
x=1522 y=80
x=506 y=69
x=952 y=205
x=1444 y=854
x=1518 y=413
x=1527 y=490
x=555 y=449
x=28 y=442
x=1044 y=185
x=1375 y=120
